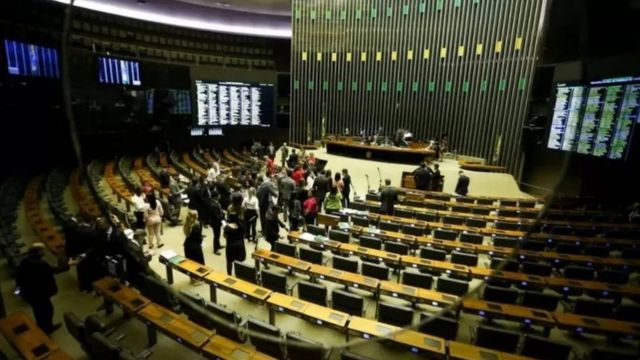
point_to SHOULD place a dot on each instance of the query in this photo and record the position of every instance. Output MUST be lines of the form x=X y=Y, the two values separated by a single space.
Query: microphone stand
x=368 y=184
x=379 y=179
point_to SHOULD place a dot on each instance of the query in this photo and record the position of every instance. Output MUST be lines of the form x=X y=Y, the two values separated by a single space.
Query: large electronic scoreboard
x=224 y=103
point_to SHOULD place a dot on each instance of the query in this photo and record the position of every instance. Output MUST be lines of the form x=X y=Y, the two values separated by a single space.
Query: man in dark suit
x=388 y=198
x=436 y=178
x=462 y=188
x=322 y=185
x=422 y=177
x=37 y=284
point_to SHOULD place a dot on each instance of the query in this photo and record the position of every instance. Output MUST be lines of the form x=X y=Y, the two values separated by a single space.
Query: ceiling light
x=148 y=15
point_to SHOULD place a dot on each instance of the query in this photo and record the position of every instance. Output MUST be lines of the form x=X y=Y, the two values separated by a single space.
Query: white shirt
x=212 y=173
x=250 y=203
x=138 y=203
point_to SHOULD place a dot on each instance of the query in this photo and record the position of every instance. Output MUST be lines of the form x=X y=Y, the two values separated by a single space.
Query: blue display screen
x=118 y=71
x=31 y=60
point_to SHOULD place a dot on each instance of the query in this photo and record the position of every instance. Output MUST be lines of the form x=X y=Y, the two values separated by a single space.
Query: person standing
x=321 y=185
x=284 y=154
x=273 y=222
x=346 y=188
x=139 y=207
x=153 y=220
x=266 y=190
x=250 y=207
x=271 y=149
x=193 y=242
x=292 y=162
x=388 y=198
x=234 y=234
x=214 y=216
x=436 y=178
x=295 y=215
x=333 y=201
x=310 y=208
x=286 y=187
x=422 y=177
x=36 y=283
x=462 y=187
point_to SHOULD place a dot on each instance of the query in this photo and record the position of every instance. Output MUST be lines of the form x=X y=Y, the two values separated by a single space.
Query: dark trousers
x=250 y=220
x=139 y=219
x=216 y=236
x=263 y=222
x=43 y=312
x=232 y=253
x=345 y=199
x=310 y=219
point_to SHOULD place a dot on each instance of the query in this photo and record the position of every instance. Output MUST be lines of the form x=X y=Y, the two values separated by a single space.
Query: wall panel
x=461 y=67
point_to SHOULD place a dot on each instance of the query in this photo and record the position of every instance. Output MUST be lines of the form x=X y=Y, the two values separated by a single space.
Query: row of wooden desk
x=352 y=325
x=549 y=256
x=29 y=340
x=564 y=285
x=522 y=314
x=82 y=197
x=175 y=326
x=146 y=177
x=492 y=231
x=46 y=231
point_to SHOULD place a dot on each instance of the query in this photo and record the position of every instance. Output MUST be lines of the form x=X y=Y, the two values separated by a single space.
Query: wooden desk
x=188 y=267
x=463 y=351
x=118 y=187
x=220 y=347
x=59 y=355
x=522 y=279
x=146 y=177
x=525 y=315
x=417 y=295
x=387 y=257
x=370 y=328
x=313 y=240
x=385 y=153
x=314 y=313
x=244 y=289
x=586 y=240
x=47 y=233
x=26 y=337
x=173 y=325
x=85 y=201
x=122 y=295
x=451 y=195
x=343 y=277
x=606 y=290
x=588 y=324
x=290 y=263
x=434 y=265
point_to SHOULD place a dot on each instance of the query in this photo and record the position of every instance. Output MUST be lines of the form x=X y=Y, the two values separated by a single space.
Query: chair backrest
x=339 y=235
x=511 y=265
x=370 y=242
x=453 y=220
x=480 y=211
x=417 y=279
x=465 y=200
x=613 y=276
x=245 y=272
x=578 y=272
x=360 y=221
x=315 y=293
x=461 y=209
x=611 y=354
x=159 y=292
x=541 y=348
x=358 y=205
x=471 y=238
x=500 y=294
x=568 y=248
x=504 y=225
x=536 y=268
x=526 y=204
x=631 y=253
x=396 y=248
x=345 y=264
x=310 y=255
x=540 y=300
x=274 y=281
x=595 y=308
x=505 y=242
x=389 y=226
x=462 y=258
x=263 y=345
x=533 y=245
x=433 y=254
x=413 y=230
x=376 y=271
x=428 y=217
x=404 y=213
x=596 y=250
x=481 y=201
x=75 y=327
x=225 y=321
x=348 y=355
x=101 y=348
x=497 y=339
x=478 y=223
x=285 y=249
x=452 y=286
x=445 y=234
x=395 y=314
x=443 y=326
x=629 y=313
x=435 y=206
x=295 y=352
x=347 y=302
x=316 y=230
